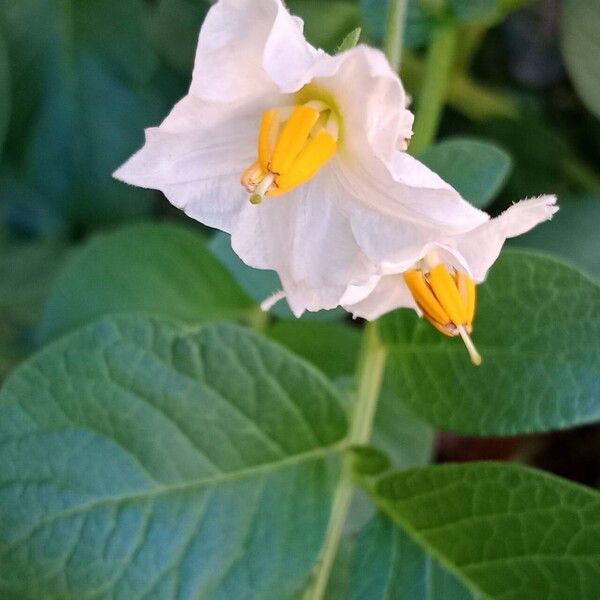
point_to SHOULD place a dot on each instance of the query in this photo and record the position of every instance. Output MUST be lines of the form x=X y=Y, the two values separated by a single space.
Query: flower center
x=293 y=144
x=447 y=300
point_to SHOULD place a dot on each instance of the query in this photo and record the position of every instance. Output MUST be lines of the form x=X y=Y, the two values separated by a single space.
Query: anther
x=446 y=301
x=294 y=143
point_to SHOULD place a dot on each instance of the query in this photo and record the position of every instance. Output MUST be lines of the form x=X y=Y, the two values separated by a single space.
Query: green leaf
x=80 y=79
x=388 y=564
x=572 y=234
x=161 y=269
x=369 y=461
x=5 y=100
x=537 y=328
x=326 y=23
x=259 y=284
x=350 y=41
x=332 y=347
x=175 y=28
x=26 y=272
x=535 y=170
x=140 y=458
x=581 y=47
x=506 y=531
x=477 y=169
x=405 y=438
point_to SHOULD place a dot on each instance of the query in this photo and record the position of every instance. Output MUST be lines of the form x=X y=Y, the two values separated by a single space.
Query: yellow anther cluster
x=291 y=153
x=447 y=301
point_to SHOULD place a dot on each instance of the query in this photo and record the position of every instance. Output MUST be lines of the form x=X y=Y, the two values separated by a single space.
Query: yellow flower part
x=447 y=300
x=293 y=145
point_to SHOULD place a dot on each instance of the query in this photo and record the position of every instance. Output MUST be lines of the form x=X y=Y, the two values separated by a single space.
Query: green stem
x=432 y=96
x=370 y=376
x=580 y=174
x=469 y=97
x=394 y=35
x=257 y=319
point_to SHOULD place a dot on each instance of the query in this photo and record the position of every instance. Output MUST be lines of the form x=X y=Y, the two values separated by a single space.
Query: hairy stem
x=370 y=376
x=433 y=92
x=394 y=35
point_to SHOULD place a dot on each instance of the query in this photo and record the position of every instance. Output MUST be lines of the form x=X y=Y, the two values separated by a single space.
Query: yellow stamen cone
x=424 y=297
x=445 y=290
x=468 y=293
x=293 y=138
x=267 y=137
x=317 y=152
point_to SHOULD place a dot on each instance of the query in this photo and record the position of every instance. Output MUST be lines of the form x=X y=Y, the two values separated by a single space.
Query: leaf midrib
x=192 y=484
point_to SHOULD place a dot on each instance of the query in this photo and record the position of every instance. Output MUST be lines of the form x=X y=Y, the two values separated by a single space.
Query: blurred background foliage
x=80 y=79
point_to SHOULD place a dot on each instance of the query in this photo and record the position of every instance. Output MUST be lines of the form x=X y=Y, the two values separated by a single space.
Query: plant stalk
x=394 y=35
x=371 y=368
x=432 y=96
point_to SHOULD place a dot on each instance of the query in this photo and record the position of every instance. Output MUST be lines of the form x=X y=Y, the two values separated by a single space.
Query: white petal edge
x=196 y=158
x=480 y=248
x=390 y=293
x=247 y=48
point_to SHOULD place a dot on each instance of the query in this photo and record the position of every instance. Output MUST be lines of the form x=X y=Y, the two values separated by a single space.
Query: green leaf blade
x=5 y=95
x=505 y=530
x=572 y=233
x=232 y=478
x=477 y=169
x=153 y=268
x=81 y=75
x=386 y=560
x=537 y=328
x=26 y=274
x=579 y=36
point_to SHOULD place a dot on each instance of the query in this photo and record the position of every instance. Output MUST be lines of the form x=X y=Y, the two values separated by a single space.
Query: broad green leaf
x=572 y=233
x=506 y=531
x=175 y=28
x=581 y=47
x=80 y=79
x=537 y=328
x=26 y=272
x=163 y=269
x=260 y=284
x=535 y=170
x=326 y=23
x=332 y=347
x=398 y=432
x=5 y=100
x=476 y=168
x=388 y=564
x=141 y=458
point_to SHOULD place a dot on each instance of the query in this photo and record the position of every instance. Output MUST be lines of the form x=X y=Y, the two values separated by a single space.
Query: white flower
x=319 y=143
x=441 y=284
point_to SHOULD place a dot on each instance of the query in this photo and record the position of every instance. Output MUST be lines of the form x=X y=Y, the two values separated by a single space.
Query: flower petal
x=196 y=158
x=306 y=237
x=390 y=293
x=370 y=99
x=480 y=248
x=247 y=48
